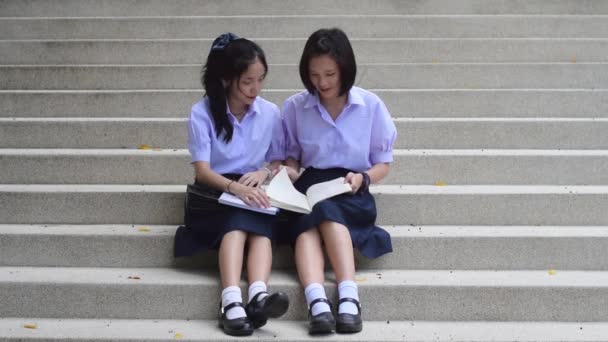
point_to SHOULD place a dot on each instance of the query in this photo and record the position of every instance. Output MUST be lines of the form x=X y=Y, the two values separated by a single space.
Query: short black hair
x=335 y=43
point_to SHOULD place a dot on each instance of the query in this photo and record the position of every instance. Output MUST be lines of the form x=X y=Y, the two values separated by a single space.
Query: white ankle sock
x=348 y=289
x=312 y=292
x=230 y=295
x=255 y=288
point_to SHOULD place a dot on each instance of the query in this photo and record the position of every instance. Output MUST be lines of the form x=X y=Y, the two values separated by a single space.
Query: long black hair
x=228 y=59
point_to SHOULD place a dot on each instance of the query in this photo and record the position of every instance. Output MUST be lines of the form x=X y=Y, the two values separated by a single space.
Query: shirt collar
x=253 y=109
x=354 y=98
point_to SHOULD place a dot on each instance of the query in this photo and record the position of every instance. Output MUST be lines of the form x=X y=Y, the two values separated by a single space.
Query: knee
x=257 y=239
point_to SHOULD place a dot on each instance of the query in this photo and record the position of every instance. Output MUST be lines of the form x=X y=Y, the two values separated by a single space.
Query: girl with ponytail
x=236 y=141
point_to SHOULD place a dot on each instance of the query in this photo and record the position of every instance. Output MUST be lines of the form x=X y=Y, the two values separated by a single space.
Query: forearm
x=378 y=172
x=292 y=163
x=204 y=174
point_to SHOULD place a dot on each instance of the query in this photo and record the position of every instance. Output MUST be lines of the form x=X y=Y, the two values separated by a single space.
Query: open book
x=283 y=194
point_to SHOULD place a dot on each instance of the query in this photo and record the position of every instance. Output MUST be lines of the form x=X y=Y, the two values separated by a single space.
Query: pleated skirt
x=355 y=211
x=207 y=221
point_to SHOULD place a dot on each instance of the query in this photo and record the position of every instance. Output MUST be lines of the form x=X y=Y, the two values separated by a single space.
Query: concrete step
x=276 y=331
x=413 y=133
x=163 y=293
x=499 y=133
x=387 y=76
x=301 y=26
x=412 y=167
x=87 y=8
x=398 y=205
x=192 y=51
x=414 y=247
x=427 y=103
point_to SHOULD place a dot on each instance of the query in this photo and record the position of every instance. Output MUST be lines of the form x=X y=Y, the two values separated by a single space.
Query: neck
x=334 y=106
x=237 y=109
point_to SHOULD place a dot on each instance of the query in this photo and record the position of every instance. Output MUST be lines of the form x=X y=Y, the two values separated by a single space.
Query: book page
x=325 y=190
x=230 y=199
x=283 y=195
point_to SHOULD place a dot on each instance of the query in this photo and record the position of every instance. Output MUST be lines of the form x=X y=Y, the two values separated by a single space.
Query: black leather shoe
x=271 y=306
x=241 y=326
x=323 y=323
x=349 y=323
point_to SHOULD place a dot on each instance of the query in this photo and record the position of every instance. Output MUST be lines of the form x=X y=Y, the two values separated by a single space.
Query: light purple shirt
x=363 y=134
x=258 y=138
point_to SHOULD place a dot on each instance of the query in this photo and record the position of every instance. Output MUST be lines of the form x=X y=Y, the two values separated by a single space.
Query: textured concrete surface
x=410 y=167
x=181 y=294
x=414 y=247
x=394 y=330
x=398 y=204
x=370 y=76
x=301 y=26
x=427 y=103
x=281 y=51
x=413 y=133
x=84 y=8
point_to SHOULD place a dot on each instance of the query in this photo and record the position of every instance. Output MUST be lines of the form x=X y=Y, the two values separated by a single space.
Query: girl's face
x=244 y=90
x=324 y=74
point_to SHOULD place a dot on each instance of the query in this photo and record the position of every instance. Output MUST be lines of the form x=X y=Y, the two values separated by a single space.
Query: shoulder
x=368 y=97
x=266 y=106
x=299 y=99
x=201 y=108
x=199 y=113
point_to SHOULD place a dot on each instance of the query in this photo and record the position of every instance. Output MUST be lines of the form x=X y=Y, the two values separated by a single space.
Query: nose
x=322 y=82
x=257 y=87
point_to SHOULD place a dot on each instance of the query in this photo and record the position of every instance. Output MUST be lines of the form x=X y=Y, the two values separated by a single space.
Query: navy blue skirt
x=355 y=211
x=207 y=221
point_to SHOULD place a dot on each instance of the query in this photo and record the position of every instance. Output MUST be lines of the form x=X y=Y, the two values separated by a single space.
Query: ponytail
x=229 y=57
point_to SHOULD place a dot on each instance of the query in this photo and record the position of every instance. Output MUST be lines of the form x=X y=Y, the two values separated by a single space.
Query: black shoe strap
x=318 y=300
x=350 y=300
x=232 y=305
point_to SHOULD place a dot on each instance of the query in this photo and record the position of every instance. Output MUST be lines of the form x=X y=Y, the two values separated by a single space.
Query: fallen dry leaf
x=30 y=326
x=360 y=279
x=144 y=147
x=134 y=277
x=440 y=183
x=552 y=272
x=143 y=229
x=573 y=60
x=178 y=336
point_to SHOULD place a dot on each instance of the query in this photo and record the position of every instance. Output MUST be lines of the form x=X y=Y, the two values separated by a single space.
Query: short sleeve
x=383 y=135
x=199 y=135
x=292 y=146
x=276 y=151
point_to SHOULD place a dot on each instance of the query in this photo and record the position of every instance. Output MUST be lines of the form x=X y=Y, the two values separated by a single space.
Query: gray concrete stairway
x=496 y=201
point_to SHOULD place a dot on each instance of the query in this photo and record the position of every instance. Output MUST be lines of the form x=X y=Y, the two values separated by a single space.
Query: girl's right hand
x=253 y=196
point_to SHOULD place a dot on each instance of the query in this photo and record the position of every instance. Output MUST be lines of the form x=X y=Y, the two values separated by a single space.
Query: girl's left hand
x=355 y=180
x=255 y=178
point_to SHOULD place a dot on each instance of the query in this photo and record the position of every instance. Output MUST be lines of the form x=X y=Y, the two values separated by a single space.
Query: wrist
x=366 y=181
x=268 y=172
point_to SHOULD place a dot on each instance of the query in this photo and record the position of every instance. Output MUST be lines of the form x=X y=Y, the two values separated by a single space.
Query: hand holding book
x=284 y=195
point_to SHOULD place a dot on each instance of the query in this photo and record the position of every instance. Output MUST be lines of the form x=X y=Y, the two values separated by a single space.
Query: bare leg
x=309 y=258
x=259 y=258
x=231 y=257
x=339 y=247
